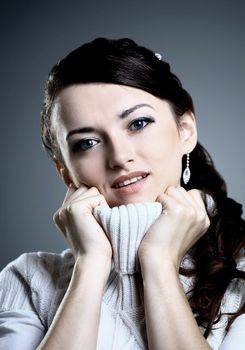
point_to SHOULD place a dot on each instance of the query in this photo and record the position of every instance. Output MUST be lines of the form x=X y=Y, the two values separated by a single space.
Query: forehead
x=89 y=102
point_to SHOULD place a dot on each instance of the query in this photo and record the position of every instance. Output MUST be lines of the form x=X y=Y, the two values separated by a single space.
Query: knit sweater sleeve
x=31 y=288
x=20 y=330
x=20 y=326
x=235 y=338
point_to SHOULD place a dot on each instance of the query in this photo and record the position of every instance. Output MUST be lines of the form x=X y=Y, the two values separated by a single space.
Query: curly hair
x=124 y=62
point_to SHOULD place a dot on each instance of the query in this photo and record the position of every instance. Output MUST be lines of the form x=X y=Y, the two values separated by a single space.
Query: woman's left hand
x=183 y=221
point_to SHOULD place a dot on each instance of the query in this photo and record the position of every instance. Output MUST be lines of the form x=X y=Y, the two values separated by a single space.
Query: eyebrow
x=125 y=113
x=122 y=115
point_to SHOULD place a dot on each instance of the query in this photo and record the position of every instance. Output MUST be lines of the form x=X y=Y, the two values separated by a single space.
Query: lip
x=128 y=177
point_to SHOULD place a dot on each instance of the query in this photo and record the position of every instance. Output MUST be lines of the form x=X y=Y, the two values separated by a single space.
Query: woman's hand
x=76 y=323
x=183 y=221
x=76 y=220
x=170 y=322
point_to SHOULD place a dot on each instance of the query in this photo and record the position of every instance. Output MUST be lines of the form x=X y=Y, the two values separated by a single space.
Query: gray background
x=203 y=41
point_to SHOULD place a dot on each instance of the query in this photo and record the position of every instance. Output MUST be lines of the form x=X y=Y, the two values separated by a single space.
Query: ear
x=63 y=172
x=188 y=132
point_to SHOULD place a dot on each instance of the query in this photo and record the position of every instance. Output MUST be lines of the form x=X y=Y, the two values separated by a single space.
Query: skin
x=156 y=148
x=122 y=146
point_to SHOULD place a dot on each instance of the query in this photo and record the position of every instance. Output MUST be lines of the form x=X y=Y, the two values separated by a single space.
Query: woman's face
x=120 y=139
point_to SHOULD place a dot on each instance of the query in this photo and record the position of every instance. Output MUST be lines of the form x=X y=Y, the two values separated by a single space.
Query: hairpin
x=158 y=55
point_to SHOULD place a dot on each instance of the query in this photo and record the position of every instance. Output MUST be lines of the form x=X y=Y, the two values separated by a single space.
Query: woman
x=157 y=247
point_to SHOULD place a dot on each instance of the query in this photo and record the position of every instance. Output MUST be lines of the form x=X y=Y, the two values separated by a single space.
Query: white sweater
x=32 y=287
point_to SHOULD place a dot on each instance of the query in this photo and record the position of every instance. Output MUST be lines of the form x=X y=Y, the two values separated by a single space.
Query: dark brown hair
x=124 y=62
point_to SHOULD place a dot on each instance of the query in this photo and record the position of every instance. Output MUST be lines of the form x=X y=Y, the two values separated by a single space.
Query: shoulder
x=35 y=280
x=45 y=264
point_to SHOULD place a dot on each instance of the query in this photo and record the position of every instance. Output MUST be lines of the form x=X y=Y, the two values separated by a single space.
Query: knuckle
x=204 y=221
x=58 y=219
x=196 y=194
x=201 y=216
x=71 y=209
x=207 y=222
x=101 y=197
x=182 y=189
x=192 y=190
x=93 y=190
x=191 y=213
x=57 y=216
x=170 y=190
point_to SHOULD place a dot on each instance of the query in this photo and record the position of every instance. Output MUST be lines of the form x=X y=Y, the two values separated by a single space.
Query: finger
x=206 y=202
x=198 y=197
x=166 y=201
x=89 y=195
x=85 y=205
x=71 y=189
x=194 y=197
x=180 y=195
x=85 y=193
x=57 y=218
x=104 y=202
x=83 y=190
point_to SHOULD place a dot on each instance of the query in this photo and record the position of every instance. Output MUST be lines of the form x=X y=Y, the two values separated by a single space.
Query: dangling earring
x=187 y=172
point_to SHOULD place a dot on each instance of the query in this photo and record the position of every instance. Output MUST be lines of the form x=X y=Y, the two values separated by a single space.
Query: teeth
x=130 y=181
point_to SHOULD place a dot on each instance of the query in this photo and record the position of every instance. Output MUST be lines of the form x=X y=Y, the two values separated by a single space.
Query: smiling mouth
x=130 y=181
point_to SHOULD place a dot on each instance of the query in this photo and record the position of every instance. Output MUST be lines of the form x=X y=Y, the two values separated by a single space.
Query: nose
x=120 y=153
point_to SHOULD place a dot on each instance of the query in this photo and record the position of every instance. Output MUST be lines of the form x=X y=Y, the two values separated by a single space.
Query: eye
x=84 y=145
x=140 y=123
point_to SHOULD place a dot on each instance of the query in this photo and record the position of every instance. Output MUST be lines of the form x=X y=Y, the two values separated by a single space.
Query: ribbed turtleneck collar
x=126 y=226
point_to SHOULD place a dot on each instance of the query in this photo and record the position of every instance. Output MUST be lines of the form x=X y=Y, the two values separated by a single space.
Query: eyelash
x=82 y=146
x=147 y=120
x=82 y=143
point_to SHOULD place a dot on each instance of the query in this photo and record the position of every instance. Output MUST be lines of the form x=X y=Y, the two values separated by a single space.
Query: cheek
x=164 y=148
x=166 y=161
x=169 y=164
x=86 y=172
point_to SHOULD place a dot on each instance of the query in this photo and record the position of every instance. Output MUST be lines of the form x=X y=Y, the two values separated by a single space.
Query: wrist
x=98 y=266
x=154 y=262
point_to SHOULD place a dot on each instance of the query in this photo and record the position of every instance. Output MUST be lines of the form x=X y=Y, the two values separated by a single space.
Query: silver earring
x=187 y=172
